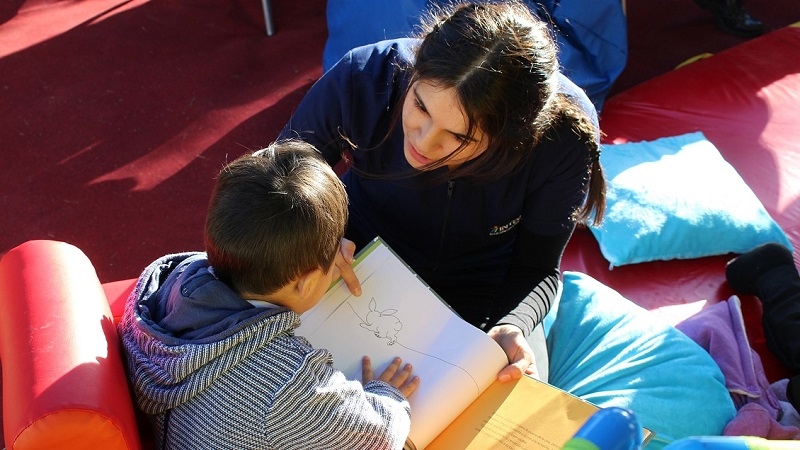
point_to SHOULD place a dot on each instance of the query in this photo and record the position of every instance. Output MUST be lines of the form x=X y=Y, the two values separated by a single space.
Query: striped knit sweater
x=214 y=372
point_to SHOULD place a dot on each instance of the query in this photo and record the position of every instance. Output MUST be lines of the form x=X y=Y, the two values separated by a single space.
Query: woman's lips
x=416 y=155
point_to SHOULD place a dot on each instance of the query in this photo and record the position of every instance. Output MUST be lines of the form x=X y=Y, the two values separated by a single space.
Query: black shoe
x=744 y=271
x=731 y=17
x=793 y=391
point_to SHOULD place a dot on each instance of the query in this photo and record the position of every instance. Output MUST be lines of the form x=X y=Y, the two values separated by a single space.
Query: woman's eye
x=419 y=105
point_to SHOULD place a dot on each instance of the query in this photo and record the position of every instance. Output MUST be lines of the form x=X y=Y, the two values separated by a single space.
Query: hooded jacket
x=213 y=371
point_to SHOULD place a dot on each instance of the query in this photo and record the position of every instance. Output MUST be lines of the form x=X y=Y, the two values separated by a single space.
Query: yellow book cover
x=521 y=414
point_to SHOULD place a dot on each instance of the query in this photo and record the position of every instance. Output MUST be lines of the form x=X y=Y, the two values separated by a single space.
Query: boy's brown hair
x=274 y=215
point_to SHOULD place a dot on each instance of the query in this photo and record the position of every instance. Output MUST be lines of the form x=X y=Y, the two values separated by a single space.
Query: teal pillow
x=611 y=352
x=677 y=198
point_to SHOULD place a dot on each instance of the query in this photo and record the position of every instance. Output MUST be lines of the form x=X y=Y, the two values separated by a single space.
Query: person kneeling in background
x=731 y=17
x=769 y=272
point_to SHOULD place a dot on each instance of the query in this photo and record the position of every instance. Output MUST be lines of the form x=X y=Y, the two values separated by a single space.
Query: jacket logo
x=500 y=229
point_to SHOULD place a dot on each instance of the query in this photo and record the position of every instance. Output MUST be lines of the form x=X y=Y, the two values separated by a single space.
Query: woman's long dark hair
x=502 y=61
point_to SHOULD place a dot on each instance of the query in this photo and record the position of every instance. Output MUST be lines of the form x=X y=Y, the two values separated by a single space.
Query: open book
x=459 y=403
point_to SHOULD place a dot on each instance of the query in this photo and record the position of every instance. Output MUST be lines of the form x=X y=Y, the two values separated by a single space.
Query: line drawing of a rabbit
x=384 y=323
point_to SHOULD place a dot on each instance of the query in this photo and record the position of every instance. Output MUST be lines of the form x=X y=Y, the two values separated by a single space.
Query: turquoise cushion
x=611 y=352
x=677 y=198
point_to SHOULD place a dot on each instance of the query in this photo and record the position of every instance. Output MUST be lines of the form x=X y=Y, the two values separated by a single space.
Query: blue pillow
x=611 y=352
x=677 y=198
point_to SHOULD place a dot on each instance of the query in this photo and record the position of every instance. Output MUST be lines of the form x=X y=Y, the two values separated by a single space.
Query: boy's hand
x=402 y=379
x=344 y=262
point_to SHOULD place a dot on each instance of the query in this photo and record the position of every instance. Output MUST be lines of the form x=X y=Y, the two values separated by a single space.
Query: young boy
x=209 y=337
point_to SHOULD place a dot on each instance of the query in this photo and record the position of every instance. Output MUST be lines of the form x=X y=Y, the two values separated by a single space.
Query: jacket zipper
x=450 y=186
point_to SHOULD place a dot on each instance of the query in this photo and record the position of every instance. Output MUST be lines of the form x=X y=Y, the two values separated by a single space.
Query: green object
x=579 y=443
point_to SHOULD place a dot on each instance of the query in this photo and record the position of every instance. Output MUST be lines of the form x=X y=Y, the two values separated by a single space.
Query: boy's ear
x=307 y=283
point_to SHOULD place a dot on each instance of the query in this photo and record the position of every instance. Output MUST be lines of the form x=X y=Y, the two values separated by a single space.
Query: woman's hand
x=518 y=351
x=401 y=379
x=344 y=262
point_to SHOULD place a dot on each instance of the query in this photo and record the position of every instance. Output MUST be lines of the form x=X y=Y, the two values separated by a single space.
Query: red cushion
x=64 y=385
x=745 y=100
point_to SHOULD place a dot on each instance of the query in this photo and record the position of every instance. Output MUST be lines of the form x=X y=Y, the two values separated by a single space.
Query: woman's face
x=435 y=126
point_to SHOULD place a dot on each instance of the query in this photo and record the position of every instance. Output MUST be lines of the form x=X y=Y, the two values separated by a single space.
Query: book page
x=519 y=414
x=397 y=314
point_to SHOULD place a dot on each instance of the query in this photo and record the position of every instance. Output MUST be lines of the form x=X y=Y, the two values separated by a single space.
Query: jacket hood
x=183 y=328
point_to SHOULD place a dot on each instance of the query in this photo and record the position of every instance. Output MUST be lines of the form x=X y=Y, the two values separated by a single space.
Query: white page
x=454 y=360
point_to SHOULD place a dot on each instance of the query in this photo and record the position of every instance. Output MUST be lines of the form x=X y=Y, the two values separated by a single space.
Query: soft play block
x=64 y=385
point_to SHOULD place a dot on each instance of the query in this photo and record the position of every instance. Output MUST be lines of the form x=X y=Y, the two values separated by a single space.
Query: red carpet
x=116 y=115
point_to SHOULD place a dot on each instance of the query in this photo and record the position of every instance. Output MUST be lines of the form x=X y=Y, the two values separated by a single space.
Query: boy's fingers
x=347 y=249
x=401 y=376
x=350 y=279
x=348 y=274
x=411 y=386
x=366 y=370
x=390 y=371
x=344 y=262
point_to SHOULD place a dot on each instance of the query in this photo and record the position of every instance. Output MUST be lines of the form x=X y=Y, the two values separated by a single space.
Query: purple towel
x=720 y=330
x=753 y=420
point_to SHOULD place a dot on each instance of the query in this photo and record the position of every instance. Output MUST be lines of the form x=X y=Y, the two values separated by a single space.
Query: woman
x=471 y=156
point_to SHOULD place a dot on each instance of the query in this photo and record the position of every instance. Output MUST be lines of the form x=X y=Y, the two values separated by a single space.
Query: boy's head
x=275 y=216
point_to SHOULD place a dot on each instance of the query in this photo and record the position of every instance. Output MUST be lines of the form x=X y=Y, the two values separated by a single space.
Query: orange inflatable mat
x=64 y=383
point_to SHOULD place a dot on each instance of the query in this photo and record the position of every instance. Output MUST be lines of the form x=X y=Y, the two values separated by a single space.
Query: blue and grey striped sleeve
x=320 y=408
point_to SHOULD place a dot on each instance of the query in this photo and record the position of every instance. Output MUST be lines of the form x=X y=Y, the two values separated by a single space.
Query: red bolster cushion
x=64 y=383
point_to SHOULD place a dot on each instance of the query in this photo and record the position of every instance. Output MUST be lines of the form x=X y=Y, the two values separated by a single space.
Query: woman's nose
x=427 y=139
